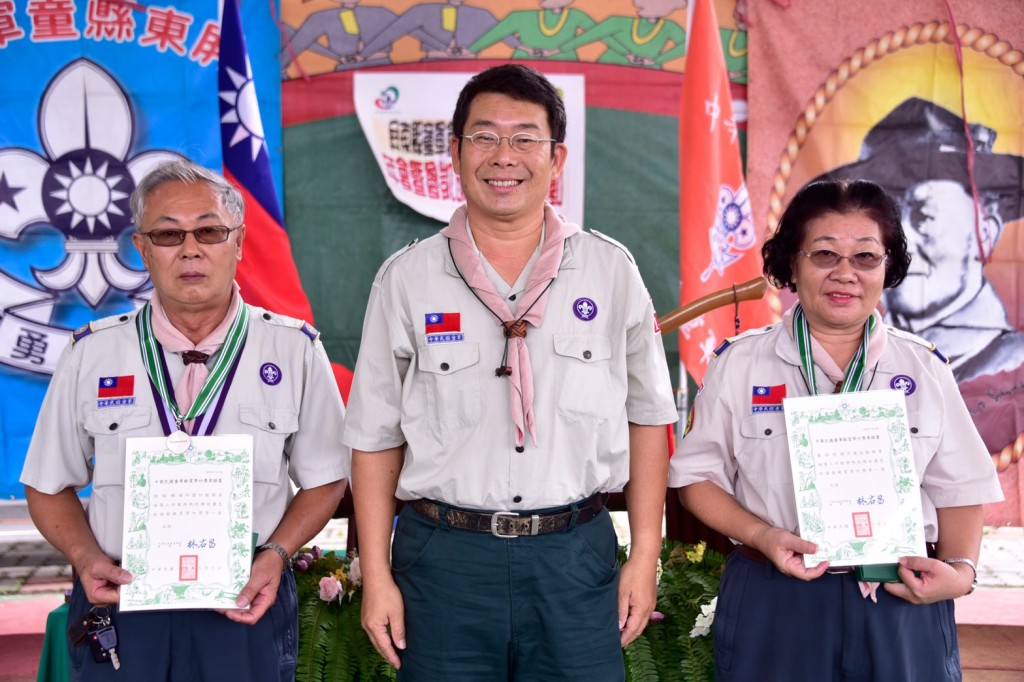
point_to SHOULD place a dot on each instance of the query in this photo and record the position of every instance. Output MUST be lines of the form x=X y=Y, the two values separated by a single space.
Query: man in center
x=510 y=374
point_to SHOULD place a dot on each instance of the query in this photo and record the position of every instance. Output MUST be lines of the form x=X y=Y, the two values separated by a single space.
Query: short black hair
x=821 y=197
x=518 y=82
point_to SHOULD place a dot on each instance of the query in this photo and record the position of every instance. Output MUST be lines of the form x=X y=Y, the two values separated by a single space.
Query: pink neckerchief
x=532 y=303
x=172 y=340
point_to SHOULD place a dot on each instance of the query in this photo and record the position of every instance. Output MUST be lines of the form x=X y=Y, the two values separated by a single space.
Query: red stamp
x=188 y=567
x=862 y=524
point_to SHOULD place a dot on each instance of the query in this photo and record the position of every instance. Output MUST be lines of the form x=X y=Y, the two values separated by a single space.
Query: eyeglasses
x=208 y=234
x=523 y=143
x=865 y=260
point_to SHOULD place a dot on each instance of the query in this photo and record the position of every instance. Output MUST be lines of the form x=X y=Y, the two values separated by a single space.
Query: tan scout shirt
x=296 y=424
x=745 y=452
x=440 y=396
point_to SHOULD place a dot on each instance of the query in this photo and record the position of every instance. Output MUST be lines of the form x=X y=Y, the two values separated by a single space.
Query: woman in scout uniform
x=839 y=243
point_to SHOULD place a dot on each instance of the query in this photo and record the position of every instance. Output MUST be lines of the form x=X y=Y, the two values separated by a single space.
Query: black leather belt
x=509 y=524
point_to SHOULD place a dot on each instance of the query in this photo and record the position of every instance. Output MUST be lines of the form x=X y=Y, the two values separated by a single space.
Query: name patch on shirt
x=767 y=398
x=116 y=391
x=443 y=327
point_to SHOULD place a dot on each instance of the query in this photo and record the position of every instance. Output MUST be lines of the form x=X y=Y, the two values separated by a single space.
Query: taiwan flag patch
x=443 y=327
x=116 y=391
x=767 y=398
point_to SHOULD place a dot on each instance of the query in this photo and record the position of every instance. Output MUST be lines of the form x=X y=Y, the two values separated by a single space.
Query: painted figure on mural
x=918 y=153
x=345 y=31
x=643 y=40
x=540 y=34
x=445 y=29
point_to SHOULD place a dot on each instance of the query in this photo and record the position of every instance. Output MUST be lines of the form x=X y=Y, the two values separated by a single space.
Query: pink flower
x=330 y=588
x=657 y=616
x=355 y=573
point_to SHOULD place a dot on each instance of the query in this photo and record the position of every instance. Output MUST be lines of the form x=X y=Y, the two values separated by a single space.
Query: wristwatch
x=965 y=560
x=281 y=552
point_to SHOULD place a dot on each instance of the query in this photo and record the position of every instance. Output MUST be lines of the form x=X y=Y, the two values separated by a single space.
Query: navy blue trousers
x=769 y=626
x=175 y=646
x=529 y=609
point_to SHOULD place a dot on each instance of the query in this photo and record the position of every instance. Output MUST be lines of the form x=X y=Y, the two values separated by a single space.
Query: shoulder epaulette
x=81 y=332
x=758 y=331
x=393 y=257
x=97 y=326
x=910 y=336
x=291 y=323
x=617 y=243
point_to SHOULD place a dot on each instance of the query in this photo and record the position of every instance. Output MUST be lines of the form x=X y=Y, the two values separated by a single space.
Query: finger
x=635 y=625
x=382 y=643
x=398 y=629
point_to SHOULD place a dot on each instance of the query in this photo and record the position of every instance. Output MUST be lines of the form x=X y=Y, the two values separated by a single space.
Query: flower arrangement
x=332 y=644
x=677 y=645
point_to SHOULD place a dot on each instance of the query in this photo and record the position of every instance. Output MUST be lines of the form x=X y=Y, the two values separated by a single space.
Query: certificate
x=857 y=491
x=187 y=523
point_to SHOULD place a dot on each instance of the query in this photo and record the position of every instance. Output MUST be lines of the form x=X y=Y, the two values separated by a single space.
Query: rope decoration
x=977 y=39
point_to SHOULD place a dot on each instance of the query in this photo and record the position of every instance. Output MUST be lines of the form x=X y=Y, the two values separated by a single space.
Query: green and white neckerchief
x=854 y=379
x=223 y=367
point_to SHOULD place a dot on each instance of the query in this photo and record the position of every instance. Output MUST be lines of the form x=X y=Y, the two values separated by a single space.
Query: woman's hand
x=786 y=551
x=926 y=581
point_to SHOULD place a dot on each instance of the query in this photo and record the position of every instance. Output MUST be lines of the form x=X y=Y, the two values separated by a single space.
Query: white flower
x=702 y=625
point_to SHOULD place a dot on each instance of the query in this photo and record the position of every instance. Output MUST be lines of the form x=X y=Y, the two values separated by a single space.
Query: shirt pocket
x=109 y=429
x=453 y=389
x=925 y=432
x=271 y=428
x=762 y=451
x=585 y=387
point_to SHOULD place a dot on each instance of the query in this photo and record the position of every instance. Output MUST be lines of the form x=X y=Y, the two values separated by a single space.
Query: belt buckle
x=494 y=523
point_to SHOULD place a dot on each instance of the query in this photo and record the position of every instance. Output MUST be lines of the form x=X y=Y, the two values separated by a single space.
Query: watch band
x=965 y=560
x=281 y=552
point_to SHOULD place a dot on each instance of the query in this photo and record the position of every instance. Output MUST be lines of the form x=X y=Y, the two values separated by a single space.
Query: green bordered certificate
x=187 y=522
x=857 y=491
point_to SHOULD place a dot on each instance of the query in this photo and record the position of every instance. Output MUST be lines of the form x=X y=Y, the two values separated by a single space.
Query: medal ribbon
x=153 y=359
x=854 y=379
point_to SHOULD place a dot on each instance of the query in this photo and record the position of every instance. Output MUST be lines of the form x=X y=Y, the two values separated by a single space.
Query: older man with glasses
x=263 y=374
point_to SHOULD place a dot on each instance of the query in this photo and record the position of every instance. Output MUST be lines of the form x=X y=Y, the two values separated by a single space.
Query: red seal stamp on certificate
x=188 y=567
x=862 y=524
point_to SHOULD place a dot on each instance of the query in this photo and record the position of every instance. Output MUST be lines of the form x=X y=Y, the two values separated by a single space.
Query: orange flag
x=718 y=244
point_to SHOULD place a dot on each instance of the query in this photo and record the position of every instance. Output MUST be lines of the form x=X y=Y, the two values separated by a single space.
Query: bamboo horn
x=747 y=291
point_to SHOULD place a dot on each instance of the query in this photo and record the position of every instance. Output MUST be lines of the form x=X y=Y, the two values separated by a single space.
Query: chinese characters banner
x=406 y=118
x=95 y=93
x=884 y=99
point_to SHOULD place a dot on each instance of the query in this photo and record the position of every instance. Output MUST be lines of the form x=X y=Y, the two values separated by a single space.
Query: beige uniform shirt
x=746 y=454
x=296 y=423
x=440 y=396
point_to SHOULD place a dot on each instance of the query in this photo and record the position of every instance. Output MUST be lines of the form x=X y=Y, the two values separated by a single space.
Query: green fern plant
x=690 y=575
x=332 y=644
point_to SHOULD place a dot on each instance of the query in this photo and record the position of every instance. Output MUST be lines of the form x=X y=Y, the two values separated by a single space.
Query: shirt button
x=767 y=432
x=587 y=354
x=123 y=318
x=517 y=499
x=266 y=316
x=444 y=366
x=512 y=297
x=271 y=426
x=520 y=448
x=113 y=427
x=913 y=429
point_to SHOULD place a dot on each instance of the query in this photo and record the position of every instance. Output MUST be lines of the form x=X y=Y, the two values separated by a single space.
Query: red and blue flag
x=116 y=387
x=443 y=323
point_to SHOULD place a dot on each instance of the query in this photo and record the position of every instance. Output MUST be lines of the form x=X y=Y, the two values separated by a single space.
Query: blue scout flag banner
x=95 y=93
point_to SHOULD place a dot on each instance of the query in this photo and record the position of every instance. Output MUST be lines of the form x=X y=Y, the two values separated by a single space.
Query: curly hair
x=822 y=197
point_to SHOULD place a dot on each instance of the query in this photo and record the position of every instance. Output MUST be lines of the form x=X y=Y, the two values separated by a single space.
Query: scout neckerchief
x=854 y=378
x=534 y=300
x=214 y=389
